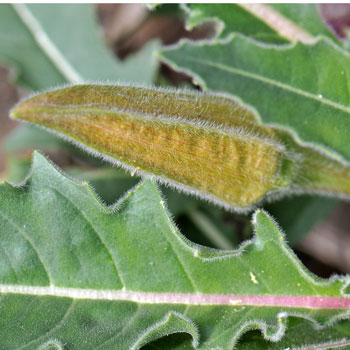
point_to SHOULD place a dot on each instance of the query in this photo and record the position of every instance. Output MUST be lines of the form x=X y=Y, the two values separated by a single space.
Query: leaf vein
x=271 y=82
x=21 y=232
x=97 y=234
x=54 y=328
x=125 y=326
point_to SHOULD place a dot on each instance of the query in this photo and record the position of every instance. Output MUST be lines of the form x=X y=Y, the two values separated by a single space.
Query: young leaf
x=302 y=88
x=205 y=144
x=122 y=277
x=296 y=215
x=46 y=51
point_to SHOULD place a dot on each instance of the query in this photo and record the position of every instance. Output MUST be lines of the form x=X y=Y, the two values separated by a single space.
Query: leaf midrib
x=291 y=301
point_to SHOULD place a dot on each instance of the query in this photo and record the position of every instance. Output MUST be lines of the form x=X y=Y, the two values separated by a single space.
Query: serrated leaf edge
x=269 y=332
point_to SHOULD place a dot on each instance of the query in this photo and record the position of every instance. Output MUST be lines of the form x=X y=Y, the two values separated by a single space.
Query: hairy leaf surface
x=77 y=275
x=302 y=88
x=206 y=144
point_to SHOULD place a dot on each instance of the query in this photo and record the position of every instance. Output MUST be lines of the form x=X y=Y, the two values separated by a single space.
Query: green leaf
x=297 y=215
x=75 y=274
x=50 y=44
x=186 y=139
x=273 y=23
x=302 y=88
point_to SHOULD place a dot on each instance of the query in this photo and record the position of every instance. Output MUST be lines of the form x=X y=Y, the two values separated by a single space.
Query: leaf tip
x=258 y=215
x=17 y=111
x=38 y=157
x=266 y=228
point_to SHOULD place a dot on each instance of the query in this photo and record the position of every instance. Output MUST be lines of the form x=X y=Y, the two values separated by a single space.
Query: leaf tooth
x=173 y=322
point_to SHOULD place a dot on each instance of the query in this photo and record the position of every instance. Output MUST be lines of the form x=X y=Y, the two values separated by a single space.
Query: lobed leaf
x=206 y=224
x=298 y=333
x=297 y=215
x=122 y=277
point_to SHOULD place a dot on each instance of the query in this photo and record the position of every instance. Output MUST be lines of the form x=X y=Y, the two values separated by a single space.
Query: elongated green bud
x=206 y=144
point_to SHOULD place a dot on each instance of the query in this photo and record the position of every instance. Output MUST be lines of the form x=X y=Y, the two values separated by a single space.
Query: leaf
x=123 y=276
x=302 y=88
x=297 y=215
x=45 y=52
x=272 y=23
x=204 y=223
x=186 y=139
